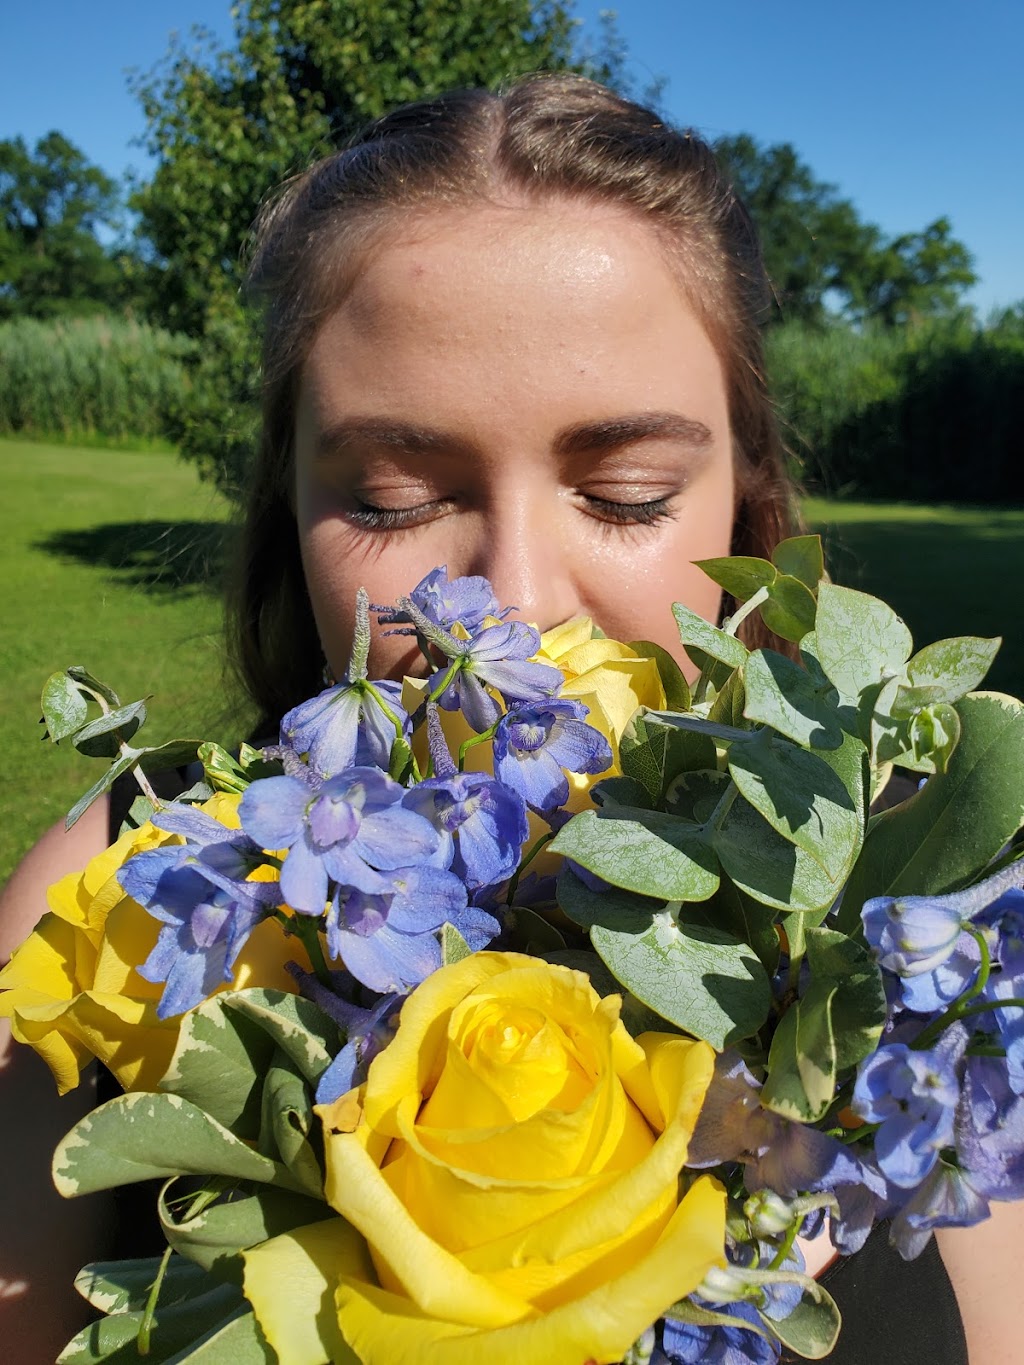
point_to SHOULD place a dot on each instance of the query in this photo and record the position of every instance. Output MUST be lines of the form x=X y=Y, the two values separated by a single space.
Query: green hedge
x=932 y=412
x=91 y=376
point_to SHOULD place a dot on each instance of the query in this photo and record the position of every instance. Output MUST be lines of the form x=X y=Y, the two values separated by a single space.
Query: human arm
x=44 y=1239
x=983 y=1263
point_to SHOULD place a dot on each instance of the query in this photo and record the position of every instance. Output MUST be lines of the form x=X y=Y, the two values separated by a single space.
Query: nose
x=522 y=550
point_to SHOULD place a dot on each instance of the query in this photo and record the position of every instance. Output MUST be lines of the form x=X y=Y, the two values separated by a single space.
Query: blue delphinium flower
x=367 y=1032
x=199 y=892
x=686 y=1343
x=913 y=1095
x=912 y=934
x=352 y=830
x=536 y=743
x=499 y=657
x=945 y=1198
x=445 y=601
x=990 y=1130
x=483 y=821
x=347 y=725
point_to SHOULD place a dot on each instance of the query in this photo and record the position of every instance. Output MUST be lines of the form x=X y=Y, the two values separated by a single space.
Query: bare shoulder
x=984 y=1266
x=58 y=852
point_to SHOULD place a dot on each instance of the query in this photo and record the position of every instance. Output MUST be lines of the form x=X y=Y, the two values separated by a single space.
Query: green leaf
x=859 y=640
x=614 y=908
x=529 y=932
x=105 y=735
x=934 y=735
x=781 y=694
x=790 y=609
x=219 y=1063
x=953 y=667
x=801 y=1078
x=176 y=753
x=694 y=630
x=118 y=1286
x=801 y=557
x=82 y=675
x=859 y=1007
x=238 y=1341
x=801 y=796
x=63 y=706
x=101 y=785
x=621 y=791
x=944 y=835
x=768 y=867
x=695 y=796
x=701 y=980
x=288 y=1123
x=811 y=1330
x=453 y=946
x=646 y=851
x=653 y=753
x=176 y=1329
x=739 y=575
x=213 y=1237
x=677 y=689
x=143 y=1136
x=738 y=914
x=298 y=1026
x=727 y=704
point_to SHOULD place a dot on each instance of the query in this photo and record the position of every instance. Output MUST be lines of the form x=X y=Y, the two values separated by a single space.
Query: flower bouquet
x=529 y=1010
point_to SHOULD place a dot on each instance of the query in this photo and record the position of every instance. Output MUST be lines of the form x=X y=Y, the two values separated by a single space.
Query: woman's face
x=522 y=393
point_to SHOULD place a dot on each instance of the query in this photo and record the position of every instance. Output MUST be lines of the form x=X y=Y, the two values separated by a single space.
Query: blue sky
x=912 y=107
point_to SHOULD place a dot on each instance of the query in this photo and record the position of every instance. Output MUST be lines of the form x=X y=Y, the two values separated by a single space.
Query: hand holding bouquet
x=531 y=1009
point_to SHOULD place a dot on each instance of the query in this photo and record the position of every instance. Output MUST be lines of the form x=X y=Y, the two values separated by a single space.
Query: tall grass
x=99 y=377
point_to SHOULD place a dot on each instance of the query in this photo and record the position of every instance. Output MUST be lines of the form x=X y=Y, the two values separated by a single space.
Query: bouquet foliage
x=530 y=1009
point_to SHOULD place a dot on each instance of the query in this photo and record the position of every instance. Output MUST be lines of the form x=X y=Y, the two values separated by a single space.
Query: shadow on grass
x=154 y=556
x=944 y=577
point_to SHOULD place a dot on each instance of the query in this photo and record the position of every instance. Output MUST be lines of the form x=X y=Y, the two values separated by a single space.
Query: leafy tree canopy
x=52 y=200
x=821 y=254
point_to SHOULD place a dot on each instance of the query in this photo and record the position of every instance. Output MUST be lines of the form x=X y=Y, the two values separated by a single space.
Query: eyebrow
x=582 y=438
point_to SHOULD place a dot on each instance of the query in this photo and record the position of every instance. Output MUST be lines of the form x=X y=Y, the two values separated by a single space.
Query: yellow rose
x=71 y=990
x=508 y=1180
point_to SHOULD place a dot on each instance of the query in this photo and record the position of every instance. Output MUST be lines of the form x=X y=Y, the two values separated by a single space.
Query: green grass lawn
x=111 y=559
x=108 y=559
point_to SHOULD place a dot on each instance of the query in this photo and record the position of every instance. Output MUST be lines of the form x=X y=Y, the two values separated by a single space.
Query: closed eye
x=632 y=513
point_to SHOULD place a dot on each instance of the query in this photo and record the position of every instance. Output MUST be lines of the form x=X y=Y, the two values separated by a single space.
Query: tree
x=226 y=126
x=821 y=256
x=52 y=200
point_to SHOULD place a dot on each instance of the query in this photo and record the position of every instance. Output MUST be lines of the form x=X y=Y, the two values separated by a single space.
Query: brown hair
x=545 y=136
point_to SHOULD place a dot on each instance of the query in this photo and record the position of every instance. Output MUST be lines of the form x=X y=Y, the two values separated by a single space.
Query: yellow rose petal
x=290 y=1281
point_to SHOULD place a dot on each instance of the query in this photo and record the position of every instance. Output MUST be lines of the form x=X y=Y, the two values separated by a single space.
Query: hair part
x=544 y=137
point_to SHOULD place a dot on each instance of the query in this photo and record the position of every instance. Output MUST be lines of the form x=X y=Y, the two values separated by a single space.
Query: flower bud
x=768 y=1214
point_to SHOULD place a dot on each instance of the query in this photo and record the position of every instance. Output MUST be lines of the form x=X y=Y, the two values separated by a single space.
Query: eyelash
x=619 y=513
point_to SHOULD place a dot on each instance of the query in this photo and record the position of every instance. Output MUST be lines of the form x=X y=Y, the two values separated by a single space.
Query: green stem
x=734 y=622
x=716 y=819
x=513 y=885
x=961 y=1007
x=146 y=1326
x=445 y=682
x=468 y=744
x=786 y=1245
x=307 y=929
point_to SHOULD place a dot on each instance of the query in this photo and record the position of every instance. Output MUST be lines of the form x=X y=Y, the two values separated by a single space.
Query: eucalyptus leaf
x=944 y=835
x=63 y=706
x=213 y=1237
x=176 y=753
x=954 y=667
x=768 y=867
x=694 y=630
x=858 y=1006
x=103 y=737
x=653 y=752
x=727 y=704
x=801 y=797
x=82 y=675
x=859 y=640
x=781 y=694
x=101 y=785
x=640 y=850
x=744 y=918
x=142 y=1136
x=621 y=791
x=529 y=932
x=677 y=689
x=613 y=908
x=801 y=557
x=739 y=575
x=790 y=609
x=701 y=980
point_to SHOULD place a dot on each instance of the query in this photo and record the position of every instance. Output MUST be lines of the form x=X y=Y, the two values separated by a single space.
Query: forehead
x=502 y=304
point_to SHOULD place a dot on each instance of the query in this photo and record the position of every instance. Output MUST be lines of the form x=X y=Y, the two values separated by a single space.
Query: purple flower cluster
x=381 y=865
x=945 y=1090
